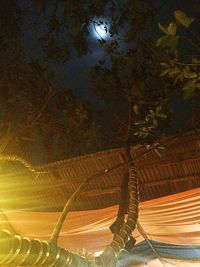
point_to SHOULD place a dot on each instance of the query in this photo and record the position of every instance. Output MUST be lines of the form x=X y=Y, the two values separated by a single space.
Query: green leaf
x=163 y=28
x=164 y=72
x=168 y=41
x=161 y=147
x=189 y=87
x=172 y=28
x=158 y=153
x=164 y=64
x=174 y=72
x=162 y=40
x=162 y=116
x=188 y=93
x=189 y=84
x=183 y=19
x=189 y=75
x=139 y=122
x=178 y=77
x=195 y=60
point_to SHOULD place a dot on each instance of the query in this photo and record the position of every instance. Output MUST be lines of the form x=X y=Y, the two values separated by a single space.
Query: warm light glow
x=97 y=253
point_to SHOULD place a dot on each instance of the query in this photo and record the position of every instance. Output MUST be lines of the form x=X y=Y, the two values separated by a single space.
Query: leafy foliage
x=137 y=72
x=183 y=19
x=185 y=72
x=37 y=117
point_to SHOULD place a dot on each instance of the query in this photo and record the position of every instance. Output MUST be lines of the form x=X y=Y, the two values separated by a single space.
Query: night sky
x=75 y=72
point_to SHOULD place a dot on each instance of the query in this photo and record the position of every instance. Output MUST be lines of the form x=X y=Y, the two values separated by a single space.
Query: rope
x=143 y=233
x=25 y=163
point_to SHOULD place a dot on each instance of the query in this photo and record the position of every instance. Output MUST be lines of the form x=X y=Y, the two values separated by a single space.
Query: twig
x=144 y=234
x=115 y=117
x=50 y=94
x=150 y=48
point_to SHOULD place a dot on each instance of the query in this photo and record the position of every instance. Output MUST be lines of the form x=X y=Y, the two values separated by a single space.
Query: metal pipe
x=22 y=251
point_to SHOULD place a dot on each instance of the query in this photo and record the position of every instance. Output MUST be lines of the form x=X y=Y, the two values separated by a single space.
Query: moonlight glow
x=100 y=32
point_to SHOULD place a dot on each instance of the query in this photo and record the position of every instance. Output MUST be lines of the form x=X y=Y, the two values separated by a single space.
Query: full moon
x=100 y=32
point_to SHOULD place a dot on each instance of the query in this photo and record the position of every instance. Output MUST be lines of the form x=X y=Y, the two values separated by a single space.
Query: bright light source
x=101 y=31
x=97 y=253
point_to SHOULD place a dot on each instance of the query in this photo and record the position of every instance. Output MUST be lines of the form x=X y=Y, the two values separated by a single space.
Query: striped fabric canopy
x=172 y=222
x=169 y=208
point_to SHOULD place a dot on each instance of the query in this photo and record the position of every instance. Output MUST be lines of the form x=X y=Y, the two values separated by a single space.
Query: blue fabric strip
x=142 y=253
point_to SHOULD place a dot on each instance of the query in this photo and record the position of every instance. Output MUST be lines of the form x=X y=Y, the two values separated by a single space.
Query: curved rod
x=58 y=226
x=21 y=251
x=22 y=161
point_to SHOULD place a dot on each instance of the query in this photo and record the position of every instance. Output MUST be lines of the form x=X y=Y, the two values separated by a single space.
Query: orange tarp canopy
x=172 y=219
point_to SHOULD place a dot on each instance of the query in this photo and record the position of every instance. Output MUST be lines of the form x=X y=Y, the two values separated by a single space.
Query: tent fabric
x=172 y=219
x=141 y=253
x=168 y=263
